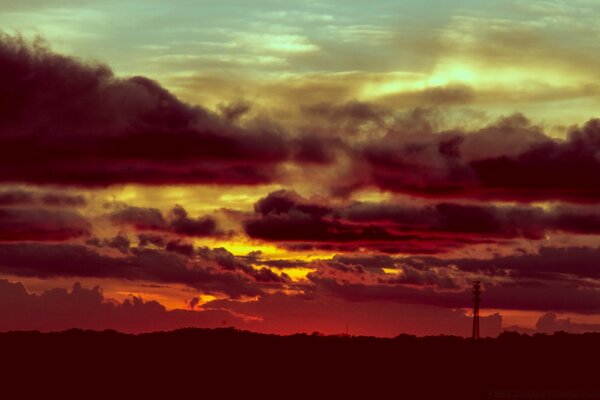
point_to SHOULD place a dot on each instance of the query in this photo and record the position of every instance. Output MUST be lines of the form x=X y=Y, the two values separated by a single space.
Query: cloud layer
x=81 y=125
x=390 y=211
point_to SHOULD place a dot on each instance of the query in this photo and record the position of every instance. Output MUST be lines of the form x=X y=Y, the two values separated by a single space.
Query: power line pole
x=476 y=302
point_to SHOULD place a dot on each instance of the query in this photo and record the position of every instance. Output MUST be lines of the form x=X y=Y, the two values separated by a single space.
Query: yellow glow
x=482 y=75
x=127 y=194
x=392 y=271
x=205 y=298
x=546 y=205
x=453 y=73
x=241 y=246
x=297 y=274
x=238 y=246
x=372 y=196
x=238 y=198
x=196 y=199
x=382 y=85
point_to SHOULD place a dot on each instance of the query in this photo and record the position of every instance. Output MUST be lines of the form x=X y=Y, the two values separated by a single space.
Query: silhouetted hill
x=232 y=363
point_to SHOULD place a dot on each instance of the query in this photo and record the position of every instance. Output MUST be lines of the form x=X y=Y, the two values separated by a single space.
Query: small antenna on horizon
x=476 y=302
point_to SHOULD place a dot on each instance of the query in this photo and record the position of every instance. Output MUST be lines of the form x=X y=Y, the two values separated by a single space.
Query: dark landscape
x=230 y=362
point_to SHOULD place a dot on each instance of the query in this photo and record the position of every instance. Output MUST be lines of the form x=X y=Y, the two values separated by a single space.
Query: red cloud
x=298 y=223
x=59 y=309
x=41 y=224
x=210 y=271
x=79 y=124
x=511 y=160
x=177 y=222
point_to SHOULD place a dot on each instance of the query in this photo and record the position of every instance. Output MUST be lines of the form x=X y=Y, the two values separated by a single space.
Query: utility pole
x=476 y=302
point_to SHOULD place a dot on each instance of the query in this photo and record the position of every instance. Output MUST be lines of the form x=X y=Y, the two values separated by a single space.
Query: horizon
x=295 y=168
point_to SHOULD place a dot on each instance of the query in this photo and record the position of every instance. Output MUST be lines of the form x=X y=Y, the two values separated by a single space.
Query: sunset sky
x=299 y=166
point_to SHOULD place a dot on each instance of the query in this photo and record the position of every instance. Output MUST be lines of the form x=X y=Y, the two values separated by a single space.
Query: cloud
x=21 y=197
x=553 y=280
x=535 y=297
x=183 y=225
x=145 y=239
x=292 y=221
x=139 y=264
x=41 y=224
x=119 y=242
x=287 y=314
x=289 y=219
x=151 y=219
x=60 y=309
x=510 y=160
x=81 y=125
x=360 y=271
x=551 y=263
x=88 y=308
x=228 y=261
x=550 y=323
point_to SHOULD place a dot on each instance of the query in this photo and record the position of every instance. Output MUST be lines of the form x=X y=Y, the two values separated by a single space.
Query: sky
x=289 y=167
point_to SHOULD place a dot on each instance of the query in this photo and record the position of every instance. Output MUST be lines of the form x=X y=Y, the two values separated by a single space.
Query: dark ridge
x=237 y=363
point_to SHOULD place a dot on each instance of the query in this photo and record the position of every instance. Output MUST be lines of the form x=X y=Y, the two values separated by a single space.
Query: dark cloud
x=550 y=323
x=234 y=111
x=186 y=226
x=478 y=219
x=509 y=160
x=556 y=169
x=556 y=263
x=60 y=309
x=349 y=270
x=63 y=200
x=145 y=239
x=81 y=125
x=422 y=277
x=119 y=242
x=88 y=308
x=369 y=262
x=41 y=224
x=228 y=261
x=312 y=149
x=193 y=302
x=185 y=249
x=539 y=297
x=554 y=279
x=16 y=197
x=299 y=223
x=151 y=219
x=20 y=197
x=349 y=118
x=142 y=264
x=140 y=218
x=256 y=258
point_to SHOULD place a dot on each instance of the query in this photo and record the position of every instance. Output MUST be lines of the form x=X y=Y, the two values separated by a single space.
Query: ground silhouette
x=240 y=364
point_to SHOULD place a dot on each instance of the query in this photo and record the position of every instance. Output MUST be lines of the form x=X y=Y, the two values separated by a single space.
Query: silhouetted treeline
x=238 y=364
